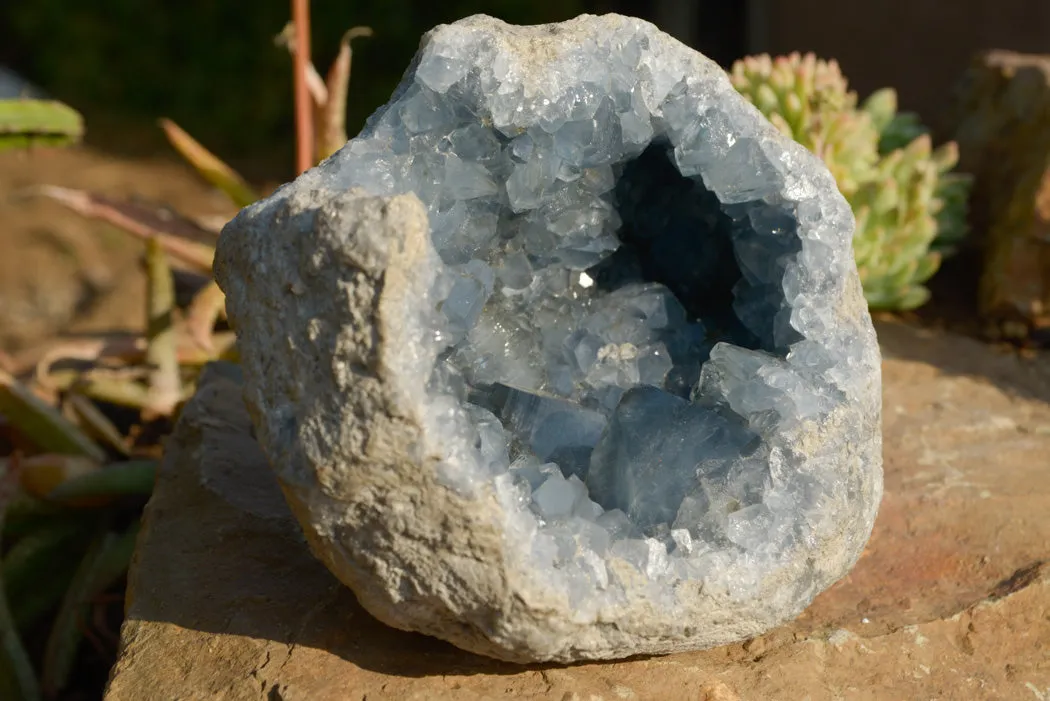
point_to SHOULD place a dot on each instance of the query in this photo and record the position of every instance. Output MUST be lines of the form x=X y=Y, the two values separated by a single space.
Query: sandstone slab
x=951 y=599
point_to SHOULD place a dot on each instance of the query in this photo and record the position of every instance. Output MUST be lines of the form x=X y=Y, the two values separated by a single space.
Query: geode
x=565 y=356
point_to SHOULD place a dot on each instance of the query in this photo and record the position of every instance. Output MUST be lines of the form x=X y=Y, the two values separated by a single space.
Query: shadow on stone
x=955 y=354
x=221 y=553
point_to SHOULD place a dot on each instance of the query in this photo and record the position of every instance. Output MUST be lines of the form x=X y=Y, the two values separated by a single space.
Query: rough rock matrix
x=565 y=355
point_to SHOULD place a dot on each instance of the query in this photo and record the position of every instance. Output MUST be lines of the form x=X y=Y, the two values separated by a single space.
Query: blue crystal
x=624 y=288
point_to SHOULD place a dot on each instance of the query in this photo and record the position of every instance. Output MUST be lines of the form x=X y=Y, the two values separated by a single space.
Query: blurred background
x=213 y=66
x=107 y=229
x=215 y=69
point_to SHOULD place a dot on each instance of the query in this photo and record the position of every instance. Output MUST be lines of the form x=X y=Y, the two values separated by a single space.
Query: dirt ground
x=62 y=274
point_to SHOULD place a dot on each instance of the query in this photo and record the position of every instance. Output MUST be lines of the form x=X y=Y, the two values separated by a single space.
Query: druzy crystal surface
x=564 y=356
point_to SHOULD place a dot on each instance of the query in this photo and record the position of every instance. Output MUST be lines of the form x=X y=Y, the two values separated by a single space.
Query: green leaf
x=26 y=514
x=94 y=422
x=887 y=197
x=928 y=266
x=132 y=478
x=114 y=391
x=17 y=678
x=882 y=106
x=30 y=607
x=106 y=559
x=912 y=298
x=902 y=272
x=946 y=156
x=766 y=99
x=26 y=122
x=41 y=423
x=39 y=566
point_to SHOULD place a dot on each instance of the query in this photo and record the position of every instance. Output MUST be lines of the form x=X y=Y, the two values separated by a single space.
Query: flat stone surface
x=950 y=600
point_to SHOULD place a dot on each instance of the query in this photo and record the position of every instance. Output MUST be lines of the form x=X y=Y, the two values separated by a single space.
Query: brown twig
x=130 y=349
x=134 y=221
x=207 y=307
x=314 y=81
x=331 y=115
x=304 y=126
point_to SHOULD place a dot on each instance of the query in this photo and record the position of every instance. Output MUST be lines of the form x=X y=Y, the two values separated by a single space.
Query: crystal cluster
x=565 y=355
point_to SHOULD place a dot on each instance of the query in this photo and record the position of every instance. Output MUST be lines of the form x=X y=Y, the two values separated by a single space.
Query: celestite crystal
x=565 y=356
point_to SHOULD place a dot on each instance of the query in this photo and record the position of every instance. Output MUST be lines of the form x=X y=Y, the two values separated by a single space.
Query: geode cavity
x=565 y=355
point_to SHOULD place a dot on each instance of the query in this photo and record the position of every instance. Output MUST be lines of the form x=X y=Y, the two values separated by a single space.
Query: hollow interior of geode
x=579 y=300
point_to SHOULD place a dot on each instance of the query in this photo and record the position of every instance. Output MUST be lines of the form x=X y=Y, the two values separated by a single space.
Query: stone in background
x=1002 y=125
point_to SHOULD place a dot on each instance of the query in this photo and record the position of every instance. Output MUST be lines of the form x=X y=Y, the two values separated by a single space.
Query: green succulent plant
x=28 y=122
x=909 y=205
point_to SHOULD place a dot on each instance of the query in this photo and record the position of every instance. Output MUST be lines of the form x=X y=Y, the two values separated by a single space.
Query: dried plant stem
x=209 y=165
x=17 y=676
x=304 y=126
x=314 y=82
x=207 y=307
x=134 y=221
x=165 y=389
x=331 y=115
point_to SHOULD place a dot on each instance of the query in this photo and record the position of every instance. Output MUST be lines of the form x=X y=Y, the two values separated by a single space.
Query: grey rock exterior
x=332 y=285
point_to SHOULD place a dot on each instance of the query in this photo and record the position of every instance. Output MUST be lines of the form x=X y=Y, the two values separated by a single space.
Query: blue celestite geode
x=565 y=355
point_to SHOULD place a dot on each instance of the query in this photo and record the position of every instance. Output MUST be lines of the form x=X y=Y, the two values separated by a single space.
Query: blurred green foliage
x=213 y=67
